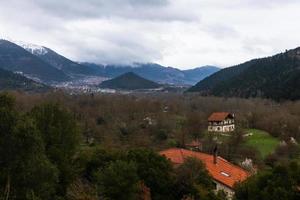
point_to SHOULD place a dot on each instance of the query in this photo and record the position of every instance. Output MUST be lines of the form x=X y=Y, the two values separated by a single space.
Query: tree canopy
x=279 y=183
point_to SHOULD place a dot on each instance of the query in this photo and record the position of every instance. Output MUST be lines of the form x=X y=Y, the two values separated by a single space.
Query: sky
x=178 y=33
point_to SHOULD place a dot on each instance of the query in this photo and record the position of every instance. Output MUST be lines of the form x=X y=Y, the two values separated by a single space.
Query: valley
x=275 y=77
x=96 y=121
x=116 y=129
x=149 y=100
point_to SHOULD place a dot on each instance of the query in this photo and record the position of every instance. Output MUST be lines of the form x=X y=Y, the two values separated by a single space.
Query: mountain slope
x=129 y=81
x=199 y=73
x=60 y=62
x=31 y=48
x=12 y=81
x=73 y=71
x=276 y=77
x=149 y=71
x=223 y=75
x=157 y=72
x=15 y=58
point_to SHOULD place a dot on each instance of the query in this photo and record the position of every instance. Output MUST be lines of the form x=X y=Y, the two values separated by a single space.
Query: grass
x=262 y=141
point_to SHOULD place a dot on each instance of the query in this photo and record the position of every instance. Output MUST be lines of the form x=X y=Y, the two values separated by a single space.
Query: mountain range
x=45 y=65
x=157 y=73
x=276 y=77
x=129 y=81
x=26 y=65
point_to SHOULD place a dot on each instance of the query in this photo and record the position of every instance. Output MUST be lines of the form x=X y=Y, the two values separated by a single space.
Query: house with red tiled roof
x=221 y=122
x=225 y=174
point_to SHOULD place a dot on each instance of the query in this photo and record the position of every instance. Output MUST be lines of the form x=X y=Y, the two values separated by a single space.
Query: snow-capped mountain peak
x=32 y=48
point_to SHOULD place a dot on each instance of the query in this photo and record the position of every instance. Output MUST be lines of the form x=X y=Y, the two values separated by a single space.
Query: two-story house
x=221 y=122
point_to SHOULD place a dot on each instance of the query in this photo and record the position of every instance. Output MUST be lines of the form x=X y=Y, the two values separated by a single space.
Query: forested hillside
x=12 y=81
x=276 y=77
x=129 y=81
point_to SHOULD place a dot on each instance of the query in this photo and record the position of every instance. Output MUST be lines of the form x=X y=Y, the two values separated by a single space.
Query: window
x=225 y=174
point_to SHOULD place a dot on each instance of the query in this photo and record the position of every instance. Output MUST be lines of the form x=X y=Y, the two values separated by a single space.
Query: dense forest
x=60 y=146
x=275 y=77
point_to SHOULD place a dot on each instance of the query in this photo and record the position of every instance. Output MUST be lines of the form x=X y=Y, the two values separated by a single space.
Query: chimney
x=215 y=154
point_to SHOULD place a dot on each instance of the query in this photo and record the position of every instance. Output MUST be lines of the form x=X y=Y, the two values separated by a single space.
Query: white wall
x=227 y=190
x=219 y=128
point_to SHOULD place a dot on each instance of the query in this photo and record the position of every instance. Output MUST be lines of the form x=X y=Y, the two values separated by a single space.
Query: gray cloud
x=132 y=9
x=171 y=32
x=119 y=45
x=269 y=3
x=221 y=31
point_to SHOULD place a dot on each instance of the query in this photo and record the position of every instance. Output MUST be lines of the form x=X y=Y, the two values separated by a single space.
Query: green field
x=262 y=141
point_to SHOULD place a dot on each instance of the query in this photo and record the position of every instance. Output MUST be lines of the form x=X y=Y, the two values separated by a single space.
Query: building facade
x=225 y=174
x=221 y=122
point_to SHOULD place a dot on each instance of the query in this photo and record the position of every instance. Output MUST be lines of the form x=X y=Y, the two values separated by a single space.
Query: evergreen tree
x=155 y=171
x=61 y=136
x=279 y=183
x=119 y=181
x=25 y=171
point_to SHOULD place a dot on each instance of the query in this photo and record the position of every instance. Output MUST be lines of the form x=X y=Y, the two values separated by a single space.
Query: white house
x=221 y=122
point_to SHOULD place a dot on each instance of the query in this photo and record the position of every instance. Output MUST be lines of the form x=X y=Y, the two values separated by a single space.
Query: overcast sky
x=178 y=33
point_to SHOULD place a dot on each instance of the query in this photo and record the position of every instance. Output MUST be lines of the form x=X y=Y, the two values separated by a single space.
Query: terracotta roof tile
x=223 y=172
x=218 y=116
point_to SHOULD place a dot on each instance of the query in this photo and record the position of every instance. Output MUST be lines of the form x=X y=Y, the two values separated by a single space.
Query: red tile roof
x=223 y=172
x=219 y=116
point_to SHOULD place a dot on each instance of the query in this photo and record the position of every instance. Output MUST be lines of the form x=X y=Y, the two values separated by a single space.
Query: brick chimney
x=215 y=154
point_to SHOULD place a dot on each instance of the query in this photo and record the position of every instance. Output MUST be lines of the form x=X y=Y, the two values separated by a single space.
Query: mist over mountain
x=157 y=73
x=45 y=65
